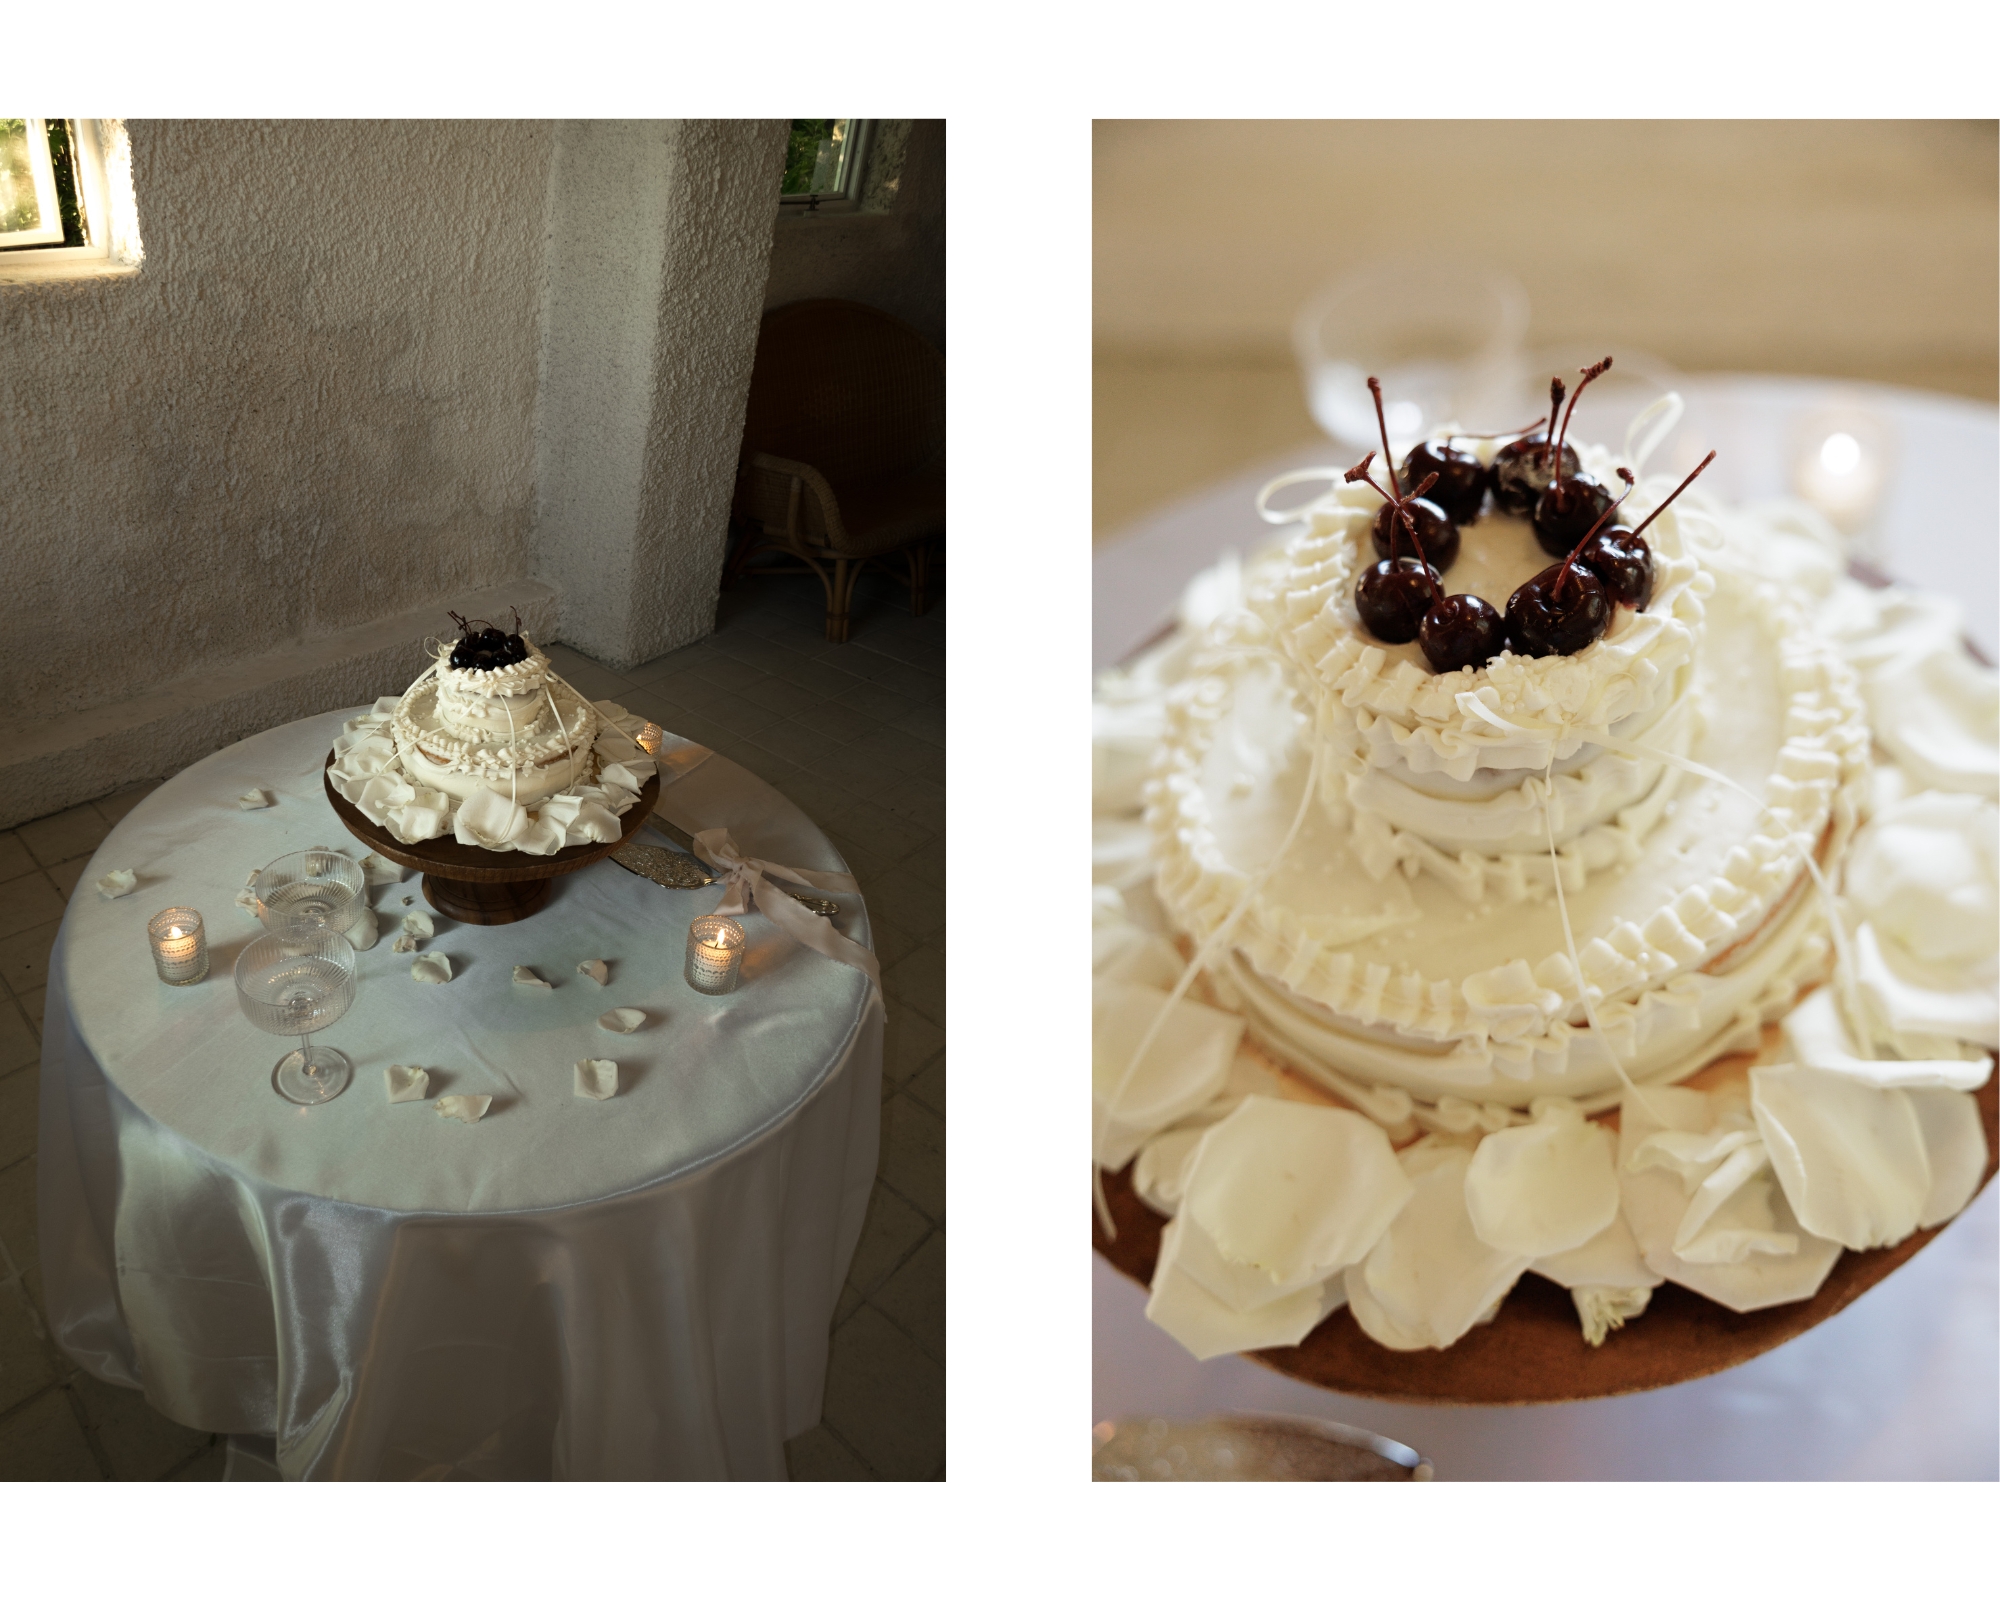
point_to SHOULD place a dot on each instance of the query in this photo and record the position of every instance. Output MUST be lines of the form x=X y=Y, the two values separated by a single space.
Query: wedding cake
x=1413 y=926
x=491 y=747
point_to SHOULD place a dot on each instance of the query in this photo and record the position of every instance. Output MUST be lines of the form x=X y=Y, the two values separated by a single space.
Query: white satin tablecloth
x=635 y=1288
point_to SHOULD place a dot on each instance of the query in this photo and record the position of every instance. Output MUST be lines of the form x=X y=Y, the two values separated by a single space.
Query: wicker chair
x=843 y=451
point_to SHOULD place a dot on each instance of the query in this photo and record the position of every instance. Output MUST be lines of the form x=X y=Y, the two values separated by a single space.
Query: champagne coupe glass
x=1442 y=336
x=311 y=892
x=298 y=984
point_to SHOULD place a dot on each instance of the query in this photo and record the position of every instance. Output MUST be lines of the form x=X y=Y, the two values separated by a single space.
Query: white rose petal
x=1545 y=1188
x=466 y=1108
x=254 y=799
x=114 y=884
x=1849 y=1157
x=432 y=968
x=596 y=1080
x=599 y=972
x=622 y=1019
x=1185 y=1064
x=526 y=978
x=406 y=1083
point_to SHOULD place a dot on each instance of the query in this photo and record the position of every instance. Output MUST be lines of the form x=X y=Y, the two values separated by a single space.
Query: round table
x=640 y=1287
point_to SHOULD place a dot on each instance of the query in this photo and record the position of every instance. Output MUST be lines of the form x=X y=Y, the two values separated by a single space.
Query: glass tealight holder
x=715 y=954
x=180 y=945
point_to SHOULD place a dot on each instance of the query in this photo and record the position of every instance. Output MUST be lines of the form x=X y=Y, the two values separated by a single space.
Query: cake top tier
x=526 y=676
x=1507 y=713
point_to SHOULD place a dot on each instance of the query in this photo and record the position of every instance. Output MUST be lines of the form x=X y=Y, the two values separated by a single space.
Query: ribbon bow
x=744 y=888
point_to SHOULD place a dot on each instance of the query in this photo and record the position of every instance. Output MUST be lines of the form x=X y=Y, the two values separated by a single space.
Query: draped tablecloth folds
x=639 y=1287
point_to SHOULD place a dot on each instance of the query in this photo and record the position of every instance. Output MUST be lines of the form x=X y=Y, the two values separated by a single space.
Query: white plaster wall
x=659 y=242
x=889 y=255
x=240 y=486
x=313 y=405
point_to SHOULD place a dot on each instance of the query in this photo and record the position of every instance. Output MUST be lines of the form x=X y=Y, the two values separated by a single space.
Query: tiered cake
x=490 y=746
x=1438 y=920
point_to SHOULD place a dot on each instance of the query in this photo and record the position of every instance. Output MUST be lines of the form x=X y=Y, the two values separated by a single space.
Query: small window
x=65 y=198
x=823 y=165
x=37 y=177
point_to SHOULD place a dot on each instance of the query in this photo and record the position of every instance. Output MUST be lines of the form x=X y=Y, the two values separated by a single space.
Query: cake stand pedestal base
x=487 y=904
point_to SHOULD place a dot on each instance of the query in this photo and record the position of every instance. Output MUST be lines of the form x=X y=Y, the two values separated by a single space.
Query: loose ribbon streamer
x=745 y=888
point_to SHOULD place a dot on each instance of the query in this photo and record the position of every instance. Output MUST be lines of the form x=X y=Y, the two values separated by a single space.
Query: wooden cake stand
x=1533 y=1350
x=487 y=887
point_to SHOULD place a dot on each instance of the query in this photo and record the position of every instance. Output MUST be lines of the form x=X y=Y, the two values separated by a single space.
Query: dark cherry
x=1461 y=630
x=1393 y=596
x=1521 y=472
x=1462 y=479
x=1557 y=612
x=487 y=648
x=1623 y=564
x=1437 y=534
x=1568 y=509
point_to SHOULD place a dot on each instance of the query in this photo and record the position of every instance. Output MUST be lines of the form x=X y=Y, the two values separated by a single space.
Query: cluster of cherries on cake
x=1536 y=475
x=488 y=647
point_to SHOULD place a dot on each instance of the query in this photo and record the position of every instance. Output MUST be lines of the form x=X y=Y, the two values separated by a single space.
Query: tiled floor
x=854 y=734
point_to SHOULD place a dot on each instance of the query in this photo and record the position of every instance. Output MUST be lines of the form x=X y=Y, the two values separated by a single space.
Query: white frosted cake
x=1412 y=929
x=491 y=747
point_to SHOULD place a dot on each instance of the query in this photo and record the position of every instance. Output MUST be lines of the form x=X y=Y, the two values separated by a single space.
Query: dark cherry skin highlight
x=1522 y=469
x=489 y=647
x=1462 y=478
x=1622 y=560
x=1434 y=528
x=1461 y=630
x=1557 y=612
x=1393 y=597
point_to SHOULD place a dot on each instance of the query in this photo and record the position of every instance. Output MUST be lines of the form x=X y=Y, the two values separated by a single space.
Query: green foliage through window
x=19 y=207
x=816 y=156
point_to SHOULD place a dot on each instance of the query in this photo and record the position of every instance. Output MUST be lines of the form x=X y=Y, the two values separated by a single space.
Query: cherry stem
x=1388 y=459
x=1590 y=375
x=1670 y=499
x=1556 y=392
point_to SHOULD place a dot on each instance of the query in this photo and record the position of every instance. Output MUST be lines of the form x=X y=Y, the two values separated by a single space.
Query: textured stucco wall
x=314 y=404
x=240 y=486
x=890 y=258
x=659 y=242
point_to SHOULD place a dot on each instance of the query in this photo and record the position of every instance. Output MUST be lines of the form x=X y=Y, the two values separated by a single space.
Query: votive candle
x=715 y=954
x=180 y=946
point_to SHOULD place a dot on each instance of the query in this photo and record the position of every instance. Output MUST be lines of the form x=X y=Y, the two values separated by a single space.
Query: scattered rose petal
x=1850 y=1157
x=1207 y=1327
x=254 y=799
x=527 y=979
x=1287 y=1195
x=466 y=1108
x=1545 y=1188
x=433 y=968
x=419 y=924
x=247 y=899
x=365 y=931
x=1185 y=1065
x=407 y=1083
x=596 y=1080
x=1430 y=1275
x=381 y=871
x=114 y=884
x=405 y=943
x=599 y=972
x=1656 y=1199
x=622 y=1019
x=408 y=901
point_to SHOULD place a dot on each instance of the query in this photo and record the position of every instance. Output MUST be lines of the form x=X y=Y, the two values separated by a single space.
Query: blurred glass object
x=1442 y=336
x=1248 y=1449
x=1840 y=454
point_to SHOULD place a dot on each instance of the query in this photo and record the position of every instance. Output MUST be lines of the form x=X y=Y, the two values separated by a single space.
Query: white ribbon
x=744 y=889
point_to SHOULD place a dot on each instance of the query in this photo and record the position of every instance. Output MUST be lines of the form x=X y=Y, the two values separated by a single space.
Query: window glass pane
x=20 y=206
x=816 y=158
